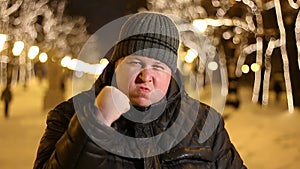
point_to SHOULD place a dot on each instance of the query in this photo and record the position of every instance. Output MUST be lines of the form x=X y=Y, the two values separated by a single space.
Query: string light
x=191 y=55
x=200 y=25
x=297 y=35
x=33 y=52
x=18 y=48
x=43 y=57
x=285 y=60
x=257 y=79
x=212 y=65
x=267 y=74
x=65 y=61
x=245 y=69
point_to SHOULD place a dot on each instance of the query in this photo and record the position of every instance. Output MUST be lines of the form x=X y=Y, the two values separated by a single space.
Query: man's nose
x=146 y=75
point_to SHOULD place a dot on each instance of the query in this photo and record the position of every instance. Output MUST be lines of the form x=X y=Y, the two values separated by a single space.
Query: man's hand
x=112 y=103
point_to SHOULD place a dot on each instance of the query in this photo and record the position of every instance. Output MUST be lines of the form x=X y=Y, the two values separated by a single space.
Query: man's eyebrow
x=159 y=63
x=134 y=57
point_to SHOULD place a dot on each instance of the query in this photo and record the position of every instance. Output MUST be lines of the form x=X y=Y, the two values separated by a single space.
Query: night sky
x=100 y=12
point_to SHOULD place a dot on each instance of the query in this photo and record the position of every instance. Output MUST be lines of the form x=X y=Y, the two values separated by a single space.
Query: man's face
x=144 y=80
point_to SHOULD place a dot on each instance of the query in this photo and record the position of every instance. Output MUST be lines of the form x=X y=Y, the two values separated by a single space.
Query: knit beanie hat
x=149 y=34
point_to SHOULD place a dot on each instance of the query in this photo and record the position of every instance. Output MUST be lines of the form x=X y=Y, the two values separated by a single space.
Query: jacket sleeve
x=62 y=140
x=225 y=153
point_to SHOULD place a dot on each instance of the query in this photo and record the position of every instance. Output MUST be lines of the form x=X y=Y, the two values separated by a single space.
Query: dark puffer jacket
x=198 y=139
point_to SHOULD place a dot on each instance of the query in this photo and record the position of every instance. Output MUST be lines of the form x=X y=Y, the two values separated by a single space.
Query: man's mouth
x=144 y=89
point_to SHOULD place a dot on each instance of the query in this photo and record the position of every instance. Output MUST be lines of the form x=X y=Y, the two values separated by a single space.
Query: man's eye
x=135 y=63
x=158 y=67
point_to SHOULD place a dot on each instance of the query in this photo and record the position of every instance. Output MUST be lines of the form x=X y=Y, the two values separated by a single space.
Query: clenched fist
x=112 y=103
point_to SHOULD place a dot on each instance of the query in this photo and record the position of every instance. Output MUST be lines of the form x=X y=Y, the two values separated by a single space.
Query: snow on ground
x=266 y=137
x=20 y=134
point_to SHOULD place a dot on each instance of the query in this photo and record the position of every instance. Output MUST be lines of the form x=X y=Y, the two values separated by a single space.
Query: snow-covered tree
x=42 y=23
x=246 y=31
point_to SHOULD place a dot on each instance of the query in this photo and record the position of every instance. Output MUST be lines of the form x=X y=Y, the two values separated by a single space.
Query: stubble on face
x=142 y=79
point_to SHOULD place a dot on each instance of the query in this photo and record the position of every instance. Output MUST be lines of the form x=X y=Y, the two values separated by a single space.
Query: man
x=6 y=97
x=137 y=115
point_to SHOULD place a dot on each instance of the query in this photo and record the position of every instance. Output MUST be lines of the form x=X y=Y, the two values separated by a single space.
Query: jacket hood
x=154 y=111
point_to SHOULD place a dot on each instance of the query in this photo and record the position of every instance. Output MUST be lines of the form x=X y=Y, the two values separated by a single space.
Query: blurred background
x=240 y=56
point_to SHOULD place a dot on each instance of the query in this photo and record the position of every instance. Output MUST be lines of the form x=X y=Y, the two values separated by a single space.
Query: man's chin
x=140 y=102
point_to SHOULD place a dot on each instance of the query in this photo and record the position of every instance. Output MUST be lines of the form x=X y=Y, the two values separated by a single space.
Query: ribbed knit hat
x=149 y=34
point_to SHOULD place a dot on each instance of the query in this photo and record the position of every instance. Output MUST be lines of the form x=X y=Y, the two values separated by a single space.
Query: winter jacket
x=191 y=135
